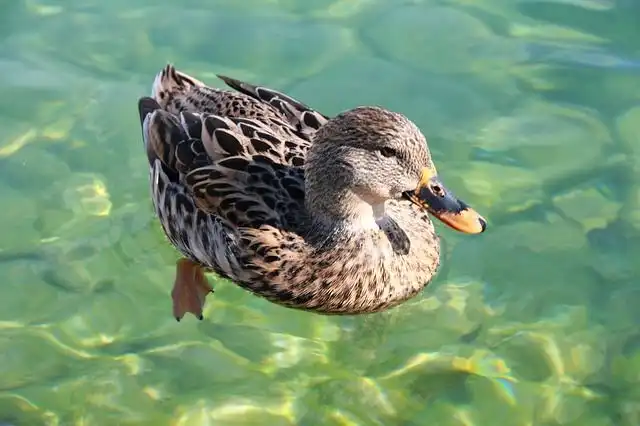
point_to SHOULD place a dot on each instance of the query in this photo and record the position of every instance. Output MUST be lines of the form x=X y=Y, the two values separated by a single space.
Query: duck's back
x=286 y=117
x=222 y=160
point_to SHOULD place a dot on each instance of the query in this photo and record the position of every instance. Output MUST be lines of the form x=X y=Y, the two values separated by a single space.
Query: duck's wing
x=235 y=168
x=304 y=118
x=177 y=92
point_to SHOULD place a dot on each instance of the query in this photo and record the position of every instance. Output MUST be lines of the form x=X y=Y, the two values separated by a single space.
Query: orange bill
x=434 y=197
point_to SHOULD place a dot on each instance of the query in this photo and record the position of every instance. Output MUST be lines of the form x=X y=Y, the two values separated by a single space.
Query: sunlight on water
x=532 y=111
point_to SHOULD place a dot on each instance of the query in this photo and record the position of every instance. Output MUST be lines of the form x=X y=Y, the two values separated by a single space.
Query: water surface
x=532 y=111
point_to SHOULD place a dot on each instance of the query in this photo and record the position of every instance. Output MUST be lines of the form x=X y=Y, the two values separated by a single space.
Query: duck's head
x=368 y=155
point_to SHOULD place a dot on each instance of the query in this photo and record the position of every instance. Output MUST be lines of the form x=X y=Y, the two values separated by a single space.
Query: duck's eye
x=387 y=152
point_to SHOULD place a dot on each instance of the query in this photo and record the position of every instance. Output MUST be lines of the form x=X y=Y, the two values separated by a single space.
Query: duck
x=326 y=214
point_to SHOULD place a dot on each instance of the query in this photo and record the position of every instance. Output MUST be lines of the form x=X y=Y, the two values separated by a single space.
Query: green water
x=532 y=111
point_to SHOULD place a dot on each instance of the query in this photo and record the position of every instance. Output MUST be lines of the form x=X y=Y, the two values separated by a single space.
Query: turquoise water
x=532 y=111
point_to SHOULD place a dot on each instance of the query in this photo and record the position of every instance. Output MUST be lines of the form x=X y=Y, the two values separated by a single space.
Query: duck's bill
x=434 y=197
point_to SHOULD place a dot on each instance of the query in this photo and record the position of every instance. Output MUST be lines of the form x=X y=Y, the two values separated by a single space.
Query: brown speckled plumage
x=262 y=189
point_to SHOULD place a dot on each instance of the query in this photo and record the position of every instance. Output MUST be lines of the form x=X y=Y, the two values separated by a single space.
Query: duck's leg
x=189 y=290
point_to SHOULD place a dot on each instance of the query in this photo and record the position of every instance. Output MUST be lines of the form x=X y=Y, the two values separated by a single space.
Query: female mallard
x=323 y=214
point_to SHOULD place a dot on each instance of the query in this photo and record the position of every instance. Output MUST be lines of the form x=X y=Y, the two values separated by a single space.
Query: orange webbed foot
x=189 y=290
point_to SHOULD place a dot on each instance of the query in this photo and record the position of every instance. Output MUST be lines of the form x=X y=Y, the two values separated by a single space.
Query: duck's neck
x=344 y=213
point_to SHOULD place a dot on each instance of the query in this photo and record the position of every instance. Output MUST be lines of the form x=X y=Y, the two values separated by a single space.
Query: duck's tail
x=170 y=82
